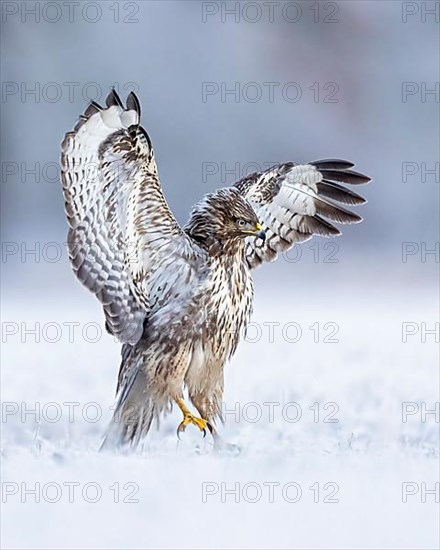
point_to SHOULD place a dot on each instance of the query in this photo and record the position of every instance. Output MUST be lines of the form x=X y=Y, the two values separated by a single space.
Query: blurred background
x=228 y=88
x=362 y=72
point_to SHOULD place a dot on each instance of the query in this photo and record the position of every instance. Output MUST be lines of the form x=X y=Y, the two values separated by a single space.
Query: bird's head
x=222 y=216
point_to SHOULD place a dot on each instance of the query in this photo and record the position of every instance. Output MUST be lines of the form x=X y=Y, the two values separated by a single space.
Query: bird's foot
x=189 y=418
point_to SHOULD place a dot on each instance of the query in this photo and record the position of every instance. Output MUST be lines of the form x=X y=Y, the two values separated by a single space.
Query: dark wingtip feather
x=81 y=121
x=133 y=103
x=345 y=176
x=315 y=225
x=92 y=108
x=328 y=230
x=332 y=190
x=332 y=164
x=113 y=100
x=335 y=212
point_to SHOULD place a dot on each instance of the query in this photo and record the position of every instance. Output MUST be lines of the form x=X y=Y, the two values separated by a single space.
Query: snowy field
x=334 y=448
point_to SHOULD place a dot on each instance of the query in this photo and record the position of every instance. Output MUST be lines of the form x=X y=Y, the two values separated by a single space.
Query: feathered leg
x=151 y=378
x=210 y=408
x=209 y=411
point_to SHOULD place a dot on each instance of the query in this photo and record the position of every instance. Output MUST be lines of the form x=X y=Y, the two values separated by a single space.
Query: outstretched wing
x=124 y=243
x=295 y=202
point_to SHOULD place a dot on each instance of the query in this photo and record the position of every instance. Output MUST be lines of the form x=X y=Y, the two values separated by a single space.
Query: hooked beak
x=259 y=232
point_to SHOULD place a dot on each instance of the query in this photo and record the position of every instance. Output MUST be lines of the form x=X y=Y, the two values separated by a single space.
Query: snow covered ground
x=336 y=448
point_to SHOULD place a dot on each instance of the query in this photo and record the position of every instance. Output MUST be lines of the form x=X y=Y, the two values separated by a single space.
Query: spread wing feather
x=124 y=243
x=295 y=202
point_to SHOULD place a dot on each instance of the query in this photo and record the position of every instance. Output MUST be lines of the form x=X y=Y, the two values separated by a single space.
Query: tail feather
x=128 y=431
x=133 y=416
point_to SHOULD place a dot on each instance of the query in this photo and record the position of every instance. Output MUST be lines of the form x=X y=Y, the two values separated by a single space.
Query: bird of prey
x=178 y=298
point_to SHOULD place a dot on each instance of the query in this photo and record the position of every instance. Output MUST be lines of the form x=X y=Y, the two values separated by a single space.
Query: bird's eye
x=241 y=223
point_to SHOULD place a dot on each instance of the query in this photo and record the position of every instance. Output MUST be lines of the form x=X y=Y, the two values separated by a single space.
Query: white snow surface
x=182 y=491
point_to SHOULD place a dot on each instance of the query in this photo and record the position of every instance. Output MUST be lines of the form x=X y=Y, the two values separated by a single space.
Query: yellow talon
x=189 y=418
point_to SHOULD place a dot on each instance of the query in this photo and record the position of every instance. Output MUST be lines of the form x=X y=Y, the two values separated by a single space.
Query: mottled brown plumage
x=179 y=298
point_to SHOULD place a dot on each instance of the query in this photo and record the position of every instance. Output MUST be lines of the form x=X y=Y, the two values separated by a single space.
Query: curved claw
x=211 y=428
x=178 y=432
x=191 y=420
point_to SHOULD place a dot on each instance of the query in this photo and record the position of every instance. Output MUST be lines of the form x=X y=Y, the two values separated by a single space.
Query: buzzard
x=178 y=298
